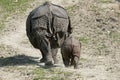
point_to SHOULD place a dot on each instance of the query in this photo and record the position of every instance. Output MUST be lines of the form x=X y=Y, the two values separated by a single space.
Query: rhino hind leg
x=43 y=59
x=54 y=55
x=46 y=52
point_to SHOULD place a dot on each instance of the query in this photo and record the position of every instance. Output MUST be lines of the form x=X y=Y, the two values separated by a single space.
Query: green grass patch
x=72 y=9
x=40 y=74
x=101 y=49
x=83 y=59
x=84 y=40
x=115 y=36
x=106 y=1
x=118 y=13
x=8 y=7
x=12 y=5
x=1 y=26
x=52 y=74
x=96 y=8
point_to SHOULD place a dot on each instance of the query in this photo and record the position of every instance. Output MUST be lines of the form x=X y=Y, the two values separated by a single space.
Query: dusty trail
x=14 y=38
x=92 y=67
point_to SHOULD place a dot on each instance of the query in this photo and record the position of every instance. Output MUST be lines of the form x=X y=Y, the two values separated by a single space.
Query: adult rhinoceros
x=46 y=28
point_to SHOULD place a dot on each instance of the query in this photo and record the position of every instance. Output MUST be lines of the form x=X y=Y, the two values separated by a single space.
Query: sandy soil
x=96 y=25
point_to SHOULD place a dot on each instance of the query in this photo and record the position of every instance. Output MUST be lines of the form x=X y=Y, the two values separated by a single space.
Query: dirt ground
x=96 y=24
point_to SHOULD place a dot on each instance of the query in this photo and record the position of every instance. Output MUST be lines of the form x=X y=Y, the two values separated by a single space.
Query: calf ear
x=70 y=29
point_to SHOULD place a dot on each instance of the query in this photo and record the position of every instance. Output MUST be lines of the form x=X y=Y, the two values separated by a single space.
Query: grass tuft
x=72 y=9
x=52 y=74
x=106 y=1
x=84 y=40
x=12 y=5
x=8 y=7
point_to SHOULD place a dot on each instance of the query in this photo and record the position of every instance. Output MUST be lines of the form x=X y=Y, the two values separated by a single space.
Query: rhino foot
x=43 y=60
x=49 y=63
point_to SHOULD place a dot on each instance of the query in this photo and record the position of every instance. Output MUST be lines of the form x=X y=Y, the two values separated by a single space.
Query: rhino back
x=70 y=41
x=40 y=11
x=75 y=42
x=58 y=11
x=47 y=8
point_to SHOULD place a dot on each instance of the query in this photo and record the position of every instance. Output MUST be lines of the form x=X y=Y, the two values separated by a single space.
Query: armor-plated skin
x=70 y=51
x=46 y=28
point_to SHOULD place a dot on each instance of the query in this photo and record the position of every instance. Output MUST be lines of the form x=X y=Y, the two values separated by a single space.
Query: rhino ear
x=70 y=29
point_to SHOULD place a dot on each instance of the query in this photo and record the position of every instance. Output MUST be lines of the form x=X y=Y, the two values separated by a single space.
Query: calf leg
x=65 y=56
x=66 y=61
x=76 y=59
x=72 y=61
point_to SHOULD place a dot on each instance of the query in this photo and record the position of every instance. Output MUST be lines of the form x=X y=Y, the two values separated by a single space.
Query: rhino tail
x=70 y=29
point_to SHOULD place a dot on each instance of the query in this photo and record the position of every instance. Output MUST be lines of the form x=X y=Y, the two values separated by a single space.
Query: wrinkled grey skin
x=46 y=28
x=70 y=51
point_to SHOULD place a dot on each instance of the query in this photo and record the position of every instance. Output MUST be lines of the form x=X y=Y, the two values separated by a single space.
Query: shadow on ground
x=17 y=60
x=24 y=60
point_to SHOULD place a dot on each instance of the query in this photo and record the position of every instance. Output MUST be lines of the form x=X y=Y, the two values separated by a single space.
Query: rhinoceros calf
x=46 y=27
x=70 y=51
